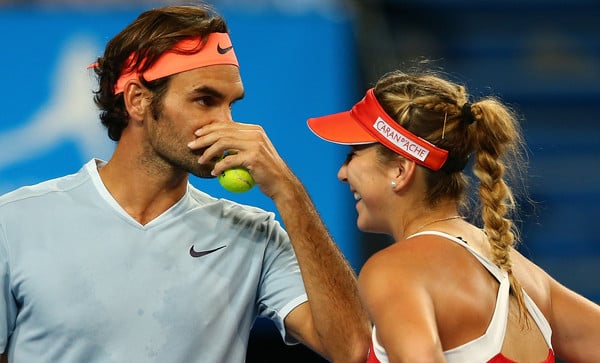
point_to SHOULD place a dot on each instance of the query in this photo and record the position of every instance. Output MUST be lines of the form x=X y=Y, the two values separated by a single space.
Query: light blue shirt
x=82 y=281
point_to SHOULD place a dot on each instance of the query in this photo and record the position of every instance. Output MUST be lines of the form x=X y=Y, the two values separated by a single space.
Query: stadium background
x=302 y=58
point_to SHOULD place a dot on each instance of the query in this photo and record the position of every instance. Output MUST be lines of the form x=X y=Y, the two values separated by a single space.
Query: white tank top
x=488 y=345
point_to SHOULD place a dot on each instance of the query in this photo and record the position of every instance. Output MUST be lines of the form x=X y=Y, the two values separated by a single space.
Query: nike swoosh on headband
x=223 y=50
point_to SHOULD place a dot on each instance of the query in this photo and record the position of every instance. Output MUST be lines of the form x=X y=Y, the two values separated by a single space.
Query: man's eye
x=206 y=101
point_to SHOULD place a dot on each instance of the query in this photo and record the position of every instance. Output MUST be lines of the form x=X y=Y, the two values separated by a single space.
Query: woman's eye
x=349 y=157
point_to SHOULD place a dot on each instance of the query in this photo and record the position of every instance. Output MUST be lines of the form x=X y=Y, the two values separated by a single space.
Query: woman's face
x=370 y=182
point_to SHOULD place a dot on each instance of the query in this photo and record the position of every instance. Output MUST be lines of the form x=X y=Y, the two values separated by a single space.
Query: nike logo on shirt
x=195 y=253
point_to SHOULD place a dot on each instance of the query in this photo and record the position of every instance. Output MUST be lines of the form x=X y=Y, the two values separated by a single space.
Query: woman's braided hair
x=486 y=131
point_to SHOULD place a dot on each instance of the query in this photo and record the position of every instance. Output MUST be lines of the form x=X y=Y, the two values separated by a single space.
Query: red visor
x=368 y=123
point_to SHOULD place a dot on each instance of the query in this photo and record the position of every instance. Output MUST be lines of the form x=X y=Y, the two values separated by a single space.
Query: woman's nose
x=341 y=175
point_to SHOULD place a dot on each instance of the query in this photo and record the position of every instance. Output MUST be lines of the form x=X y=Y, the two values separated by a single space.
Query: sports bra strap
x=496 y=271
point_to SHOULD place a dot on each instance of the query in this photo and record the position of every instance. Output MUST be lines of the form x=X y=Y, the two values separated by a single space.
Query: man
x=125 y=261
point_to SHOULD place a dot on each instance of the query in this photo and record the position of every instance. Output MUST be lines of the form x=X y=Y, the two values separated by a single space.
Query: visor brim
x=340 y=128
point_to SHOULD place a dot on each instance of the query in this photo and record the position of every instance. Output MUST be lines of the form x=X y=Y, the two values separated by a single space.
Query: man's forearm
x=340 y=320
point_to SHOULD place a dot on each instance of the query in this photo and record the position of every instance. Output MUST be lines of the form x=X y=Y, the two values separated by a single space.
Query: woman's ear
x=404 y=172
x=136 y=99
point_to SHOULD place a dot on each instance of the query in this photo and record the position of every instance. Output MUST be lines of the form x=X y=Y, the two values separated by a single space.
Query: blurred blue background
x=540 y=56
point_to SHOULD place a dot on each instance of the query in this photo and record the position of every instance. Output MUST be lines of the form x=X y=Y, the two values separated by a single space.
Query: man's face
x=193 y=99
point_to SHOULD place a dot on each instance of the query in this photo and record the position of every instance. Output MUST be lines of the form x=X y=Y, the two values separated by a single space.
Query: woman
x=447 y=290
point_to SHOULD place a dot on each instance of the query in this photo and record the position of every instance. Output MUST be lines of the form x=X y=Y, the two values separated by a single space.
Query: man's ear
x=136 y=99
x=404 y=173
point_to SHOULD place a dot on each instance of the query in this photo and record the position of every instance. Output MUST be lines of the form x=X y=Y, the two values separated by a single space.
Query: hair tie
x=466 y=114
x=454 y=165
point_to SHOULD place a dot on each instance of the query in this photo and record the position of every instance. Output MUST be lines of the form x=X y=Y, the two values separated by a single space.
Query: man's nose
x=223 y=114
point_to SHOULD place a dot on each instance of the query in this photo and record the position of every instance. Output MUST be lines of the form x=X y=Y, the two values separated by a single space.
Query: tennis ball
x=236 y=180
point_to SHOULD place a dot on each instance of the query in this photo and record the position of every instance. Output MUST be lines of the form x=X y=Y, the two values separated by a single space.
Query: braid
x=497 y=200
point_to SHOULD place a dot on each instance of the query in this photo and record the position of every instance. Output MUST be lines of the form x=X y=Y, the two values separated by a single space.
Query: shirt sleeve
x=281 y=288
x=8 y=308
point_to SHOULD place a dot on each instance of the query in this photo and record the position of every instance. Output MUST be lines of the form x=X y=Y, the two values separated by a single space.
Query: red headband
x=368 y=123
x=217 y=50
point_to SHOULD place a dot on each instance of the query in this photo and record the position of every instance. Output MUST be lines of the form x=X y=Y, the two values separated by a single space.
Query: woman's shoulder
x=534 y=280
x=414 y=261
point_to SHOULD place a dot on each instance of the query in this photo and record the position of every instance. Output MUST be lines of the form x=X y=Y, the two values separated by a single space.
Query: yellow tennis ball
x=236 y=180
